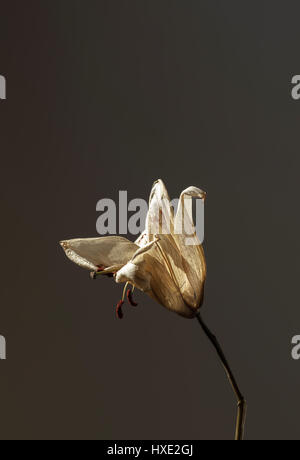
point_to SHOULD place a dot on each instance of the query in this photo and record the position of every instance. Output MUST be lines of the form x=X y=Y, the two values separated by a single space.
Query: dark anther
x=130 y=298
x=119 y=310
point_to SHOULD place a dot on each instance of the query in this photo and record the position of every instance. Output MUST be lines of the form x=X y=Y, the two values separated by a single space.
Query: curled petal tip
x=93 y=275
x=201 y=193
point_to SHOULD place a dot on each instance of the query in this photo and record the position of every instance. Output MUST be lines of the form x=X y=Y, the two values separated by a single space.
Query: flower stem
x=242 y=406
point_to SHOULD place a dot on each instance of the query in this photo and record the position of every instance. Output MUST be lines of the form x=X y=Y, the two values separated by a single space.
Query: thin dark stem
x=242 y=406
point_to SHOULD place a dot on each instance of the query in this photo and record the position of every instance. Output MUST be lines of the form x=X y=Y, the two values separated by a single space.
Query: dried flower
x=160 y=263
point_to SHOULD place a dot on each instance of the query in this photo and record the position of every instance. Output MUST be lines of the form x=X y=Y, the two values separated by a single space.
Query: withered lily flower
x=166 y=262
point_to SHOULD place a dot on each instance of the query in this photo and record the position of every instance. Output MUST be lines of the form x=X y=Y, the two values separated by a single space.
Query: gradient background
x=110 y=95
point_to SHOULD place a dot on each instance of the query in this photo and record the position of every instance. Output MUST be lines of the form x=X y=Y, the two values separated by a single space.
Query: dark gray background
x=110 y=95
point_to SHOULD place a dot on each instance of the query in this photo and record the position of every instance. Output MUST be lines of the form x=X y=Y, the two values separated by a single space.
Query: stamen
x=124 y=291
x=101 y=268
x=130 y=298
x=99 y=272
x=119 y=310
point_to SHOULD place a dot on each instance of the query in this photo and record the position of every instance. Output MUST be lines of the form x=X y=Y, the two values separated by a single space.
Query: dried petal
x=90 y=253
